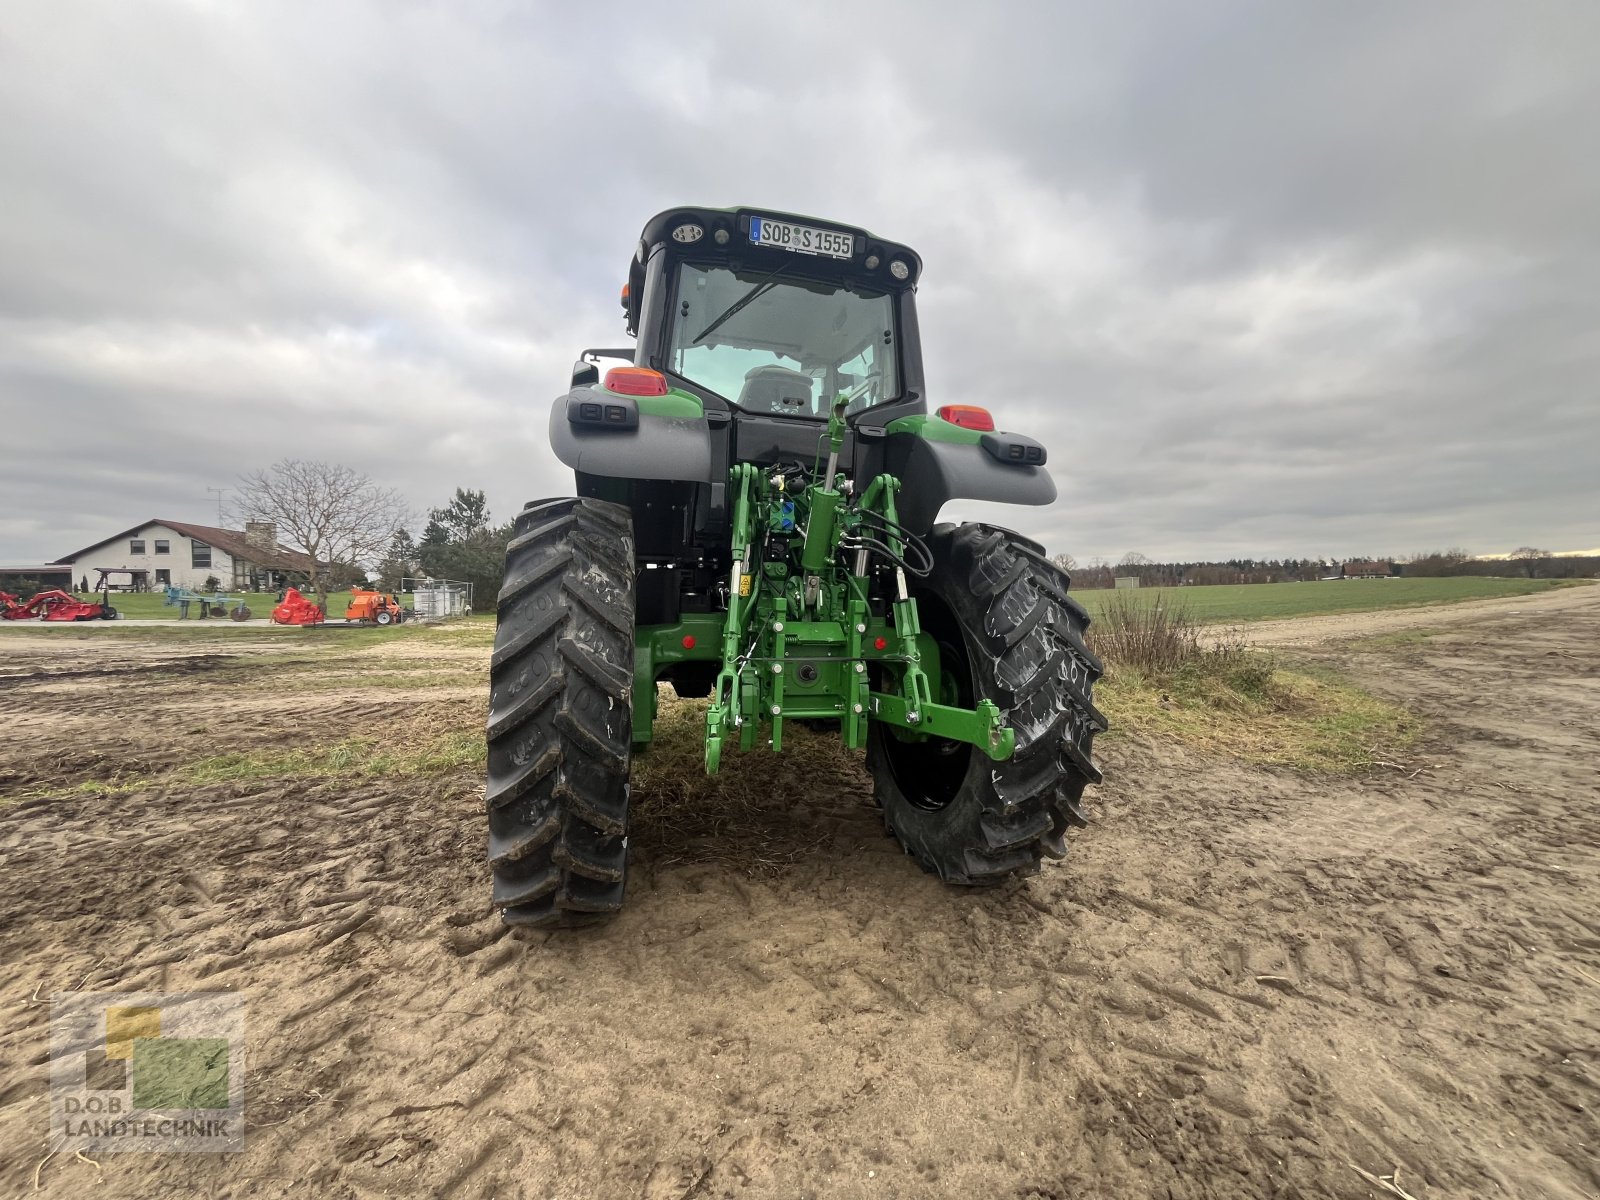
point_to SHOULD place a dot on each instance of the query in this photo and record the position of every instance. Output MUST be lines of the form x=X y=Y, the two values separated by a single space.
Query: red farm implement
x=296 y=610
x=55 y=605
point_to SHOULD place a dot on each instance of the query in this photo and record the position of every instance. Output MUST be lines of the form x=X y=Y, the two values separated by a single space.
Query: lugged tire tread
x=567 y=857
x=558 y=855
x=520 y=643
x=602 y=676
x=596 y=610
x=516 y=586
x=1026 y=804
x=525 y=781
x=526 y=890
x=526 y=708
x=526 y=840
x=591 y=743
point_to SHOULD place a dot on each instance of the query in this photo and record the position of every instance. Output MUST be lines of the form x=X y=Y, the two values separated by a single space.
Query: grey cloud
x=1267 y=279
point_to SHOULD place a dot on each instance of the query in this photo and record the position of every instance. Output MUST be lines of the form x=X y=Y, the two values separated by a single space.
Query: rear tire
x=561 y=715
x=1008 y=632
x=384 y=617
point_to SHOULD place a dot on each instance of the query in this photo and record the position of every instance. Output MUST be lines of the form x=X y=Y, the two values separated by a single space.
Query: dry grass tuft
x=1167 y=676
x=1155 y=637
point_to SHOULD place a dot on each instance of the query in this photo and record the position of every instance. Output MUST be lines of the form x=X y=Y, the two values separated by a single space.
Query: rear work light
x=639 y=381
x=968 y=416
x=595 y=410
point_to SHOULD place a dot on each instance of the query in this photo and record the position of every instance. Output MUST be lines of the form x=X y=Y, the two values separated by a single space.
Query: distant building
x=1368 y=570
x=160 y=553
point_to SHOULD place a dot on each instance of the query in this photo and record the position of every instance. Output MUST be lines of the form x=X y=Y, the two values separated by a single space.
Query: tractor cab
x=756 y=331
x=775 y=315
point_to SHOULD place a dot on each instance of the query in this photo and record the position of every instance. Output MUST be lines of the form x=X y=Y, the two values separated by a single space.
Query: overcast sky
x=1267 y=279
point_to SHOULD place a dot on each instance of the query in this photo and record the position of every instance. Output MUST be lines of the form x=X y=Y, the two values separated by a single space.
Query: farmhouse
x=1368 y=570
x=160 y=553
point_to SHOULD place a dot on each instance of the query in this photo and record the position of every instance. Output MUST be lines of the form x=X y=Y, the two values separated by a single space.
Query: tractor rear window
x=783 y=344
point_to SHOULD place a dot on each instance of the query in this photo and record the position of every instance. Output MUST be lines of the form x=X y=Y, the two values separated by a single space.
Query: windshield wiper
x=733 y=309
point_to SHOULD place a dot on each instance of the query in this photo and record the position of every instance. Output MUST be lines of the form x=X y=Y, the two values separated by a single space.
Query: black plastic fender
x=660 y=447
x=933 y=473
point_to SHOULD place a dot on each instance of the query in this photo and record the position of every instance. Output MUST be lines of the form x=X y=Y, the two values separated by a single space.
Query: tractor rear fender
x=635 y=437
x=936 y=466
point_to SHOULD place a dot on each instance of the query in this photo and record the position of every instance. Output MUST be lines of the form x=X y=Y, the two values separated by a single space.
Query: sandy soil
x=1243 y=983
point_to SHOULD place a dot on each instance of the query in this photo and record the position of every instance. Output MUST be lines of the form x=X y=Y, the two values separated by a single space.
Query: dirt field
x=1243 y=983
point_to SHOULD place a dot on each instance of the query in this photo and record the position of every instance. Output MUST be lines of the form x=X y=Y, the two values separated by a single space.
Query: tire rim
x=930 y=771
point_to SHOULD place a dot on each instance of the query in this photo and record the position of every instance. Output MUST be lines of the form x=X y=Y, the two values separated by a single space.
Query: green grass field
x=147 y=606
x=150 y=606
x=1226 y=603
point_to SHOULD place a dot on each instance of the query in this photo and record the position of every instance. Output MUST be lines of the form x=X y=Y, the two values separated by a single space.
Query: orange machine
x=296 y=610
x=381 y=608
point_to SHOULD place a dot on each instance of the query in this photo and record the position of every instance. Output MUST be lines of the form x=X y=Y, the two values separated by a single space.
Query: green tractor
x=758 y=482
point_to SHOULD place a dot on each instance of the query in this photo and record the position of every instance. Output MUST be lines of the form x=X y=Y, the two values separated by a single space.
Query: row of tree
x=1098 y=572
x=1525 y=561
x=460 y=542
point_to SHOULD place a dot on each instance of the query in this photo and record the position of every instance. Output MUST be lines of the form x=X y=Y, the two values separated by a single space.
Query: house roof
x=232 y=541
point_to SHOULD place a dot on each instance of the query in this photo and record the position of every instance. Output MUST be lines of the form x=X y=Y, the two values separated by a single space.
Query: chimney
x=261 y=535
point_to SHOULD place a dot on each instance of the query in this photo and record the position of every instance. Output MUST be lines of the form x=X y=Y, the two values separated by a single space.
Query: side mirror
x=585 y=373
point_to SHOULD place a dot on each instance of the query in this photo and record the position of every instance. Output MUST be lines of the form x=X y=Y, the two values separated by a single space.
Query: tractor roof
x=735 y=223
x=731 y=234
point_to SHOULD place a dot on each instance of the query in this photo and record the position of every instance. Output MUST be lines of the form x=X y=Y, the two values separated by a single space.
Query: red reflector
x=624 y=295
x=968 y=416
x=880 y=643
x=636 y=381
x=688 y=641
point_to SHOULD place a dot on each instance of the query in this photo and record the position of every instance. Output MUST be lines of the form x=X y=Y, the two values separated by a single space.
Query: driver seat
x=778 y=390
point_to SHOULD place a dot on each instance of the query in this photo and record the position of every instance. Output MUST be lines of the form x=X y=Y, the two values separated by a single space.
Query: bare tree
x=1134 y=563
x=1530 y=558
x=334 y=514
x=1066 y=562
x=1096 y=575
x=1439 y=562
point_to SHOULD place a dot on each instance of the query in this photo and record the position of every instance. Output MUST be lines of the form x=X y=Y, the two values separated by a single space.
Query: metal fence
x=436 y=599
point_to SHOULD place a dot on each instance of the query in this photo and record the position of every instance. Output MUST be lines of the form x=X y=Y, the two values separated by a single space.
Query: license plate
x=801 y=239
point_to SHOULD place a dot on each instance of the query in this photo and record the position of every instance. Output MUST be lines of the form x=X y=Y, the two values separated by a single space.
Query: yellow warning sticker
x=744 y=584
